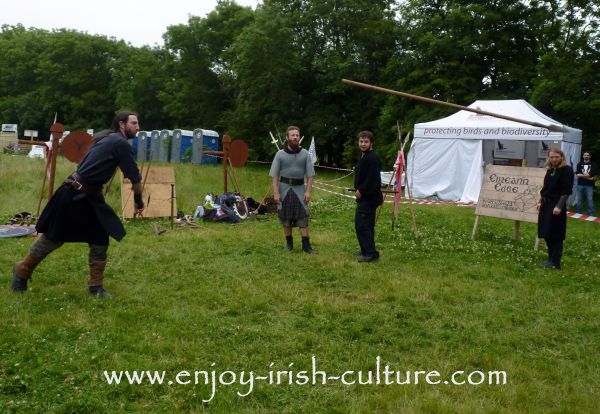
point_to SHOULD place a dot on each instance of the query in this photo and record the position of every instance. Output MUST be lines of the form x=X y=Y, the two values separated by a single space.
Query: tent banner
x=510 y=192
x=492 y=132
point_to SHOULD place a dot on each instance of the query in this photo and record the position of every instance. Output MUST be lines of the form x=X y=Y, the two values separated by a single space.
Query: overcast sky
x=135 y=21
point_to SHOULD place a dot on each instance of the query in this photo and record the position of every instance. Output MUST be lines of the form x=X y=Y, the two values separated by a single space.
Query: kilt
x=292 y=212
x=73 y=216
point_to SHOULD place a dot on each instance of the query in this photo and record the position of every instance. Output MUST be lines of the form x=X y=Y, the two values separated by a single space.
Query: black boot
x=306 y=247
x=546 y=265
x=18 y=284
x=95 y=284
x=289 y=243
x=99 y=291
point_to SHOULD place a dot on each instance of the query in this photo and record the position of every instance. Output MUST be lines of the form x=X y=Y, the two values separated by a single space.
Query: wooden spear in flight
x=551 y=127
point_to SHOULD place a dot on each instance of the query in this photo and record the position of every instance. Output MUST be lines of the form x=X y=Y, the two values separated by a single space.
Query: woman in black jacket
x=552 y=207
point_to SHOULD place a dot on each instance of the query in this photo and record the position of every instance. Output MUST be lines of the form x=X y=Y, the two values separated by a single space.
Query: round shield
x=12 y=230
x=238 y=153
x=75 y=145
x=57 y=128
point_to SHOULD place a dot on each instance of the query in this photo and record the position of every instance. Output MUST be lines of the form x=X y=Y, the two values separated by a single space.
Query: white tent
x=447 y=156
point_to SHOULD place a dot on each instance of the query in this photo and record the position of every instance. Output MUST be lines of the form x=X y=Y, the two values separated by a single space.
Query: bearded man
x=77 y=212
x=289 y=168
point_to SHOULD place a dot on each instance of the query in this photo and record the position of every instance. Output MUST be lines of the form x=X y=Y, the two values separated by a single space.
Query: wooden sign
x=157 y=188
x=510 y=192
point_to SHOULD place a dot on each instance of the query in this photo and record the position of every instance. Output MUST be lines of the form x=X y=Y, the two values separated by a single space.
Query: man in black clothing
x=552 y=218
x=367 y=182
x=586 y=172
x=77 y=212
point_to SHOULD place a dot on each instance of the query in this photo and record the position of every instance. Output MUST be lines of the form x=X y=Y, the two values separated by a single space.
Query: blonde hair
x=563 y=160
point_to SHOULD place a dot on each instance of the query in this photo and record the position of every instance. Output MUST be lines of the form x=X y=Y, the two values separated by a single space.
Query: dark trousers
x=555 y=251
x=364 y=225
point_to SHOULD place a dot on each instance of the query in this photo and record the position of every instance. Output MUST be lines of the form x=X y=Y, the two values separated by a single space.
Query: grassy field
x=228 y=298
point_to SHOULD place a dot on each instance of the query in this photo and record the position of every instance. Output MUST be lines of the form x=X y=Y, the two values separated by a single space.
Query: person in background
x=552 y=207
x=586 y=172
x=367 y=184
x=288 y=170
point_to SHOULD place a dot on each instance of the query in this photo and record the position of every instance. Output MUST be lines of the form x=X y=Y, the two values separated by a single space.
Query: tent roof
x=469 y=125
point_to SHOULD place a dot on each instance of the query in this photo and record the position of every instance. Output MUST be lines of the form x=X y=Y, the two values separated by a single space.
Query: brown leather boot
x=22 y=272
x=97 y=279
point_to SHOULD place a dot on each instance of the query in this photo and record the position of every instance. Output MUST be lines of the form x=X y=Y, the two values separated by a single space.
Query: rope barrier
x=333 y=168
x=576 y=216
x=337 y=179
x=326 y=183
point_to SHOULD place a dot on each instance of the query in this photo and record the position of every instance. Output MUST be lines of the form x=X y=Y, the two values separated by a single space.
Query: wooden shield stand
x=74 y=147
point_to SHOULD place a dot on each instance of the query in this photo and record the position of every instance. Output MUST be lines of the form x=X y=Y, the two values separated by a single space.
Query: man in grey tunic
x=290 y=165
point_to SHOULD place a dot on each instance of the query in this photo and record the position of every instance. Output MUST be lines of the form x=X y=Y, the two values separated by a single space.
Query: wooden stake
x=37 y=214
x=264 y=198
x=226 y=144
x=475 y=226
x=387 y=187
x=410 y=204
x=236 y=183
x=517 y=230
x=172 y=205
x=53 y=155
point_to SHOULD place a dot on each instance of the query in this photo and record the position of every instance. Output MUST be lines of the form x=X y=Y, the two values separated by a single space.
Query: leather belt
x=291 y=181
x=77 y=182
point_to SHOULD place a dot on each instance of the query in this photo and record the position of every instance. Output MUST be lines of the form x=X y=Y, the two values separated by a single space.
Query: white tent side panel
x=446 y=158
x=450 y=169
x=474 y=176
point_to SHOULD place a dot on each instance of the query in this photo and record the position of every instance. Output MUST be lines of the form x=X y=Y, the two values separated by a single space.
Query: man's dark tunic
x=367 y=180
x=75 y=216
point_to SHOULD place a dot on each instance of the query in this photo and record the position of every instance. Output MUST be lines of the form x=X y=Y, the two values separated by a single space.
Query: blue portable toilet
x=181 y=145
x=164 y=145
x=154 y=145
x=141 y=145
x=204 y=139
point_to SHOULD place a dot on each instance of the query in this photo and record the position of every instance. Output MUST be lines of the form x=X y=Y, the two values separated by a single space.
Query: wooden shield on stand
x=238 y=153
x=75 y=145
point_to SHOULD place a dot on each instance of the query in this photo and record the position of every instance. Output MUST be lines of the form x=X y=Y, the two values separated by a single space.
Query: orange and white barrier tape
x=584 y=217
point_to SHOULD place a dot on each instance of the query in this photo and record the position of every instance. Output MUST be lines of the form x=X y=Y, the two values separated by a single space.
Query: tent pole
x=551 y=127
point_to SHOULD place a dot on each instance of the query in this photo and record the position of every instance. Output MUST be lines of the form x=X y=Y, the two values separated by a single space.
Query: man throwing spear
x=290 y=165
x=77 y=211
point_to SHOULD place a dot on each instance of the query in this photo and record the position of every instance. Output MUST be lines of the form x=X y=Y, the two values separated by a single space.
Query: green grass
x=231 y=296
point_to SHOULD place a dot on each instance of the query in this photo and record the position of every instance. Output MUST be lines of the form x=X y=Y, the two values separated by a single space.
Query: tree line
x=250 y=72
